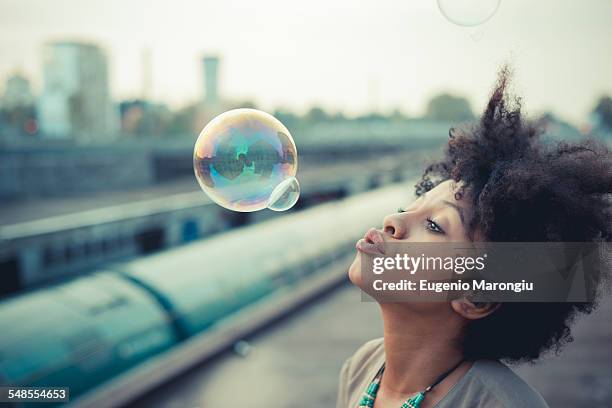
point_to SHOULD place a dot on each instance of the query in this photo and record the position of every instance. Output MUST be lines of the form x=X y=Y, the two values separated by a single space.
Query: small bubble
x=243 y=348
x=477 y=35
x=285 y=195
x=468 y=13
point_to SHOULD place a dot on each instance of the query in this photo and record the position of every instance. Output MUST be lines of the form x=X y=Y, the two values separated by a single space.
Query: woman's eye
x=432 y=226
x=401 y=210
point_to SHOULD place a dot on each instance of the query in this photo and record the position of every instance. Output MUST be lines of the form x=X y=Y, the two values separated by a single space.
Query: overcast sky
x=345 y=55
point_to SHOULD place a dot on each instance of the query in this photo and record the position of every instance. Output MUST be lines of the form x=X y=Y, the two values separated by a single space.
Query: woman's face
x=434 y=217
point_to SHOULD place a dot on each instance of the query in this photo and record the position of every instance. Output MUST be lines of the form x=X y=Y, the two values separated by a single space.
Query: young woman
x=498 y=181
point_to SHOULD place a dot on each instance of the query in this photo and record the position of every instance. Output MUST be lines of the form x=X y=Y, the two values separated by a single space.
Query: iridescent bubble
x=242 y=156
x=285 y=195
x=468 y=13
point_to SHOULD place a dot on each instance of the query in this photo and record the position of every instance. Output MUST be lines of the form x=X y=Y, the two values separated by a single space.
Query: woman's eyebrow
x=456 y=207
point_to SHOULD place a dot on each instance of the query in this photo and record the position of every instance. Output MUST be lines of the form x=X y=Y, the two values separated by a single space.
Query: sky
x=344 y=55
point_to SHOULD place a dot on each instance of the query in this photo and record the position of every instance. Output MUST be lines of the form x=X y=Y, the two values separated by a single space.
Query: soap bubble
x=245 y=160
x=285 y=195
x=468 y=13
x=243 y=348
x=477 y=35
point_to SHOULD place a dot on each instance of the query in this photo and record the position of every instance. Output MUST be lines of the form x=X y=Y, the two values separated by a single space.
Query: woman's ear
x=473 y=310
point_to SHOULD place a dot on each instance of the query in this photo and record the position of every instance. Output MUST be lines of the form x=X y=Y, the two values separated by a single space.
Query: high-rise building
x=211 y=80
x=18 y=118
x=75 y=102
x=17 y=92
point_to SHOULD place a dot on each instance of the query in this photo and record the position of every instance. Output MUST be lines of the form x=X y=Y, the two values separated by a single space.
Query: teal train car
x=80 y=333
x=85 y=332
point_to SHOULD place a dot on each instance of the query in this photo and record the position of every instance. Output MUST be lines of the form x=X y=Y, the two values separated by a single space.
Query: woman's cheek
x=354 y=272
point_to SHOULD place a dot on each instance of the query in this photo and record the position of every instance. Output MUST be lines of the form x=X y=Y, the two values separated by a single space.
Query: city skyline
x=376 y=57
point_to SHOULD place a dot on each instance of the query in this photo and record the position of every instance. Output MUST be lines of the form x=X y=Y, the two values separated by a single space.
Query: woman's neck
x=419 y=346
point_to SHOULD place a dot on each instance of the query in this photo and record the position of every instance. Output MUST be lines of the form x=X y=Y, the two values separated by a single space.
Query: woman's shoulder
x=358 y=370
x=369 y=351
x=367 y=356
x=491 y=378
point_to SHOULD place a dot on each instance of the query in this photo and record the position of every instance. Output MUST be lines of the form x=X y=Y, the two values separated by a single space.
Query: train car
x=205 y=281
x=85 y=332
x=80 y=333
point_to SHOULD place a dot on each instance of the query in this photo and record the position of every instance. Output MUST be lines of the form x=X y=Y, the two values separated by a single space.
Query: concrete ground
x=295 y=364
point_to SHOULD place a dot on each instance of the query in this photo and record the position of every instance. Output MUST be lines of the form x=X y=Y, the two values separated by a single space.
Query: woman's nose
x=394 y=226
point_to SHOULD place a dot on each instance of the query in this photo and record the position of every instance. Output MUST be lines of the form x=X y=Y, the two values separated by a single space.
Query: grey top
x=487 y=383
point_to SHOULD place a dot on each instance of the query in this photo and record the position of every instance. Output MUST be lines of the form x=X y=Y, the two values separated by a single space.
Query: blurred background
x=123 y=281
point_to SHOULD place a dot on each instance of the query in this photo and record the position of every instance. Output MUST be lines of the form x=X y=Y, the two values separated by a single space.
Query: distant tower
x=75 y=101
x=211 y=80
x=147 y=77
x=17 y=92
x=373 y=91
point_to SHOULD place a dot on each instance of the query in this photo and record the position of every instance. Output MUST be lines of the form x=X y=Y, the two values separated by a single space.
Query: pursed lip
x=371 y=243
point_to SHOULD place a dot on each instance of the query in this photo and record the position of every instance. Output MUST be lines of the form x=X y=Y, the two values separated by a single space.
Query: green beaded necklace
x=369 y=396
